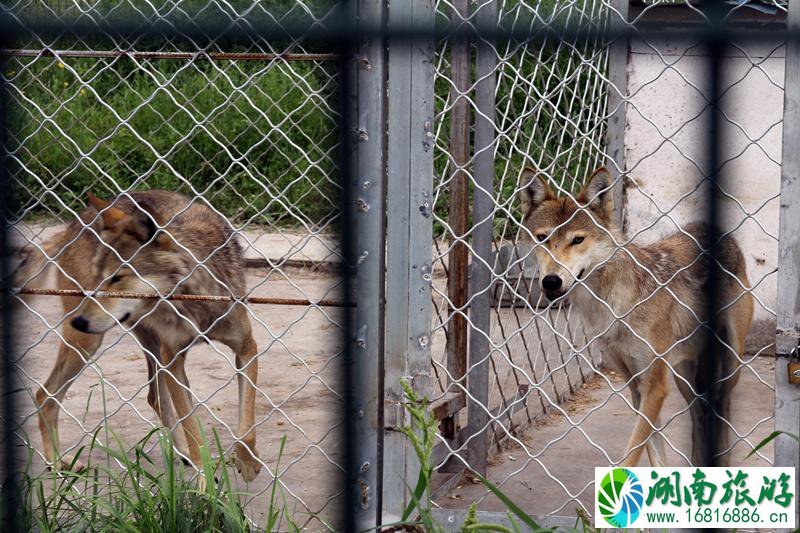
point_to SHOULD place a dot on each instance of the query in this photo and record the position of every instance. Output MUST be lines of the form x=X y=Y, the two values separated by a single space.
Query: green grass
x=151 y=492
x=136 y=490
x=258 y=140
x=548 y=110
x=421 y=434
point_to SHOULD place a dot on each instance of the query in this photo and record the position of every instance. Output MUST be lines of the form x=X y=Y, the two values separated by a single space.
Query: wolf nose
x=81 y=324
x=551 y=283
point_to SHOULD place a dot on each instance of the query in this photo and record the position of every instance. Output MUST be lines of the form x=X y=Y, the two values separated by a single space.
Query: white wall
x=667 y=150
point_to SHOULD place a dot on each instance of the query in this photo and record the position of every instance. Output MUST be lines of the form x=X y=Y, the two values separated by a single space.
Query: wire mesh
x=557 y=404
x=250 y=140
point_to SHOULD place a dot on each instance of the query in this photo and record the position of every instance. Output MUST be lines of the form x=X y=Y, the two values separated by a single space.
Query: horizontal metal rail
x=214 y=56
x=181 y=297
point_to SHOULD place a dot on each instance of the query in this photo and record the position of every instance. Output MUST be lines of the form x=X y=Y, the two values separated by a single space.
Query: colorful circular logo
x=620 y=497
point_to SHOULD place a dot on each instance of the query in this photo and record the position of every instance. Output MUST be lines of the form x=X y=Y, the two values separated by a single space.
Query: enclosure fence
x=339 y=206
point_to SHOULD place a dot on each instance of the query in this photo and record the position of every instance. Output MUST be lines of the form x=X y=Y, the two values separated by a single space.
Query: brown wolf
x=150 y=242
x=657 y=293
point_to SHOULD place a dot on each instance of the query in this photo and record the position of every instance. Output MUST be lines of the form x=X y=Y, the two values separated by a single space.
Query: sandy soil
x=298 y=378
x=550 y=470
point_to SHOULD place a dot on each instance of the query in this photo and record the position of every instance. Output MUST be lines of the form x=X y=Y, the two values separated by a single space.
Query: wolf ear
x=534 y=191
x=165 y=241
x=596 y=194
x=111 y=215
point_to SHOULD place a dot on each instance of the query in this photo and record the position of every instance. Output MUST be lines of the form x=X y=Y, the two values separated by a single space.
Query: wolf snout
x=552 y=287
x=551 y=283
x=81 y=324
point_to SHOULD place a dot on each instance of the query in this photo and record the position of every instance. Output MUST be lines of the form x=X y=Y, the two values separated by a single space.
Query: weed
x=422 y=436
x=140 y=496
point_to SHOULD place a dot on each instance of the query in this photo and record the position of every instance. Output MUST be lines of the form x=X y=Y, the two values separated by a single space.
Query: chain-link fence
x=245 y=130
x=564 y=381
x=178 y=177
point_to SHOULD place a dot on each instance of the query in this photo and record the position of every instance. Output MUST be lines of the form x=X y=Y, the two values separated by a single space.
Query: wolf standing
x=151 y=242
x=645 y=304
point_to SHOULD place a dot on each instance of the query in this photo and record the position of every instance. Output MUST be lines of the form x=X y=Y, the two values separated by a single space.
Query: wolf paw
x=247 y=463
x=68 y=463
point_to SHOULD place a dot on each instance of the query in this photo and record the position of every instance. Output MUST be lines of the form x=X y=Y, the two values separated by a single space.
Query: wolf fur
x=657 y=291
x=150 y=242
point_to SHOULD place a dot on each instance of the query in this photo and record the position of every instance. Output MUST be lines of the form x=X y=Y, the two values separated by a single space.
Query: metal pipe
x=181 y=297
x=213 y=56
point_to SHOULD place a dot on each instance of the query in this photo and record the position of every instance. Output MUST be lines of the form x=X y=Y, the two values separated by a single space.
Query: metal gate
x=522 y=394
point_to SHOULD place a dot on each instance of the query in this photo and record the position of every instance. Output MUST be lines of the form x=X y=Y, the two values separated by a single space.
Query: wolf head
x=573 y=235
x=134 y=256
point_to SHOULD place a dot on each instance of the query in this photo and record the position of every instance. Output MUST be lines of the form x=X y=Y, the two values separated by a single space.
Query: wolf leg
x=167 y=414
x=158 y=395
x=236 y=333
x=177 y=384
x=655 y=445
x=247 y=461
x=654 y=391
x=73 y=353
x=687 y=385
x=700 y=410
x=728 y=379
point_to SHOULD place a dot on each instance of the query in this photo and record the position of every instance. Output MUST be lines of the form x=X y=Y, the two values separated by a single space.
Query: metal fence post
x=787 y=396
x=458 y=206
x=409 y=233
x=9 y=501
x=367 y=173
x=482 y=234
x=617 y=89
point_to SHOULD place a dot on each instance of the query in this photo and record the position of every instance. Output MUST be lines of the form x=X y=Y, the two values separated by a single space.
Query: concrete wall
x=667 y=152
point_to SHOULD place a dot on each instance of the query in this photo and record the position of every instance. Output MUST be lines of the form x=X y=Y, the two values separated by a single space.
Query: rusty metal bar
x=458 y=208
x=179 y=297
x=214 y=56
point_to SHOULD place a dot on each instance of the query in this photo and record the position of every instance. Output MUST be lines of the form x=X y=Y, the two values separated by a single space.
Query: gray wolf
x=149 y=242
x=657 y=294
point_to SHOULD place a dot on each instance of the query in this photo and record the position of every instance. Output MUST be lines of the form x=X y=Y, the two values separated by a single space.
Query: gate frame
x=409 y=185
x=409 y=217
x=787 y=340
x=366 y=146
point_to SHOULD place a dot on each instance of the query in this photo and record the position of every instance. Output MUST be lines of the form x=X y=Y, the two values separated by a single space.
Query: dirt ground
x=298 y=380
x=550 y=471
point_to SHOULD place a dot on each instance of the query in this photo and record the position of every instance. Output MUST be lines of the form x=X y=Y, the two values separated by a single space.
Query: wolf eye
x=541 y=237
x=577 y=240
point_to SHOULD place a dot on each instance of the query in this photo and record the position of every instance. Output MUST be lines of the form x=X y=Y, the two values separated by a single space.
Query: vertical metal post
x=482 y=234
x=367 y=191
x=709 y=369
x=787 y=396
x=617 y=89
x=10 y=496
x=458 y=206
x=409 y=231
